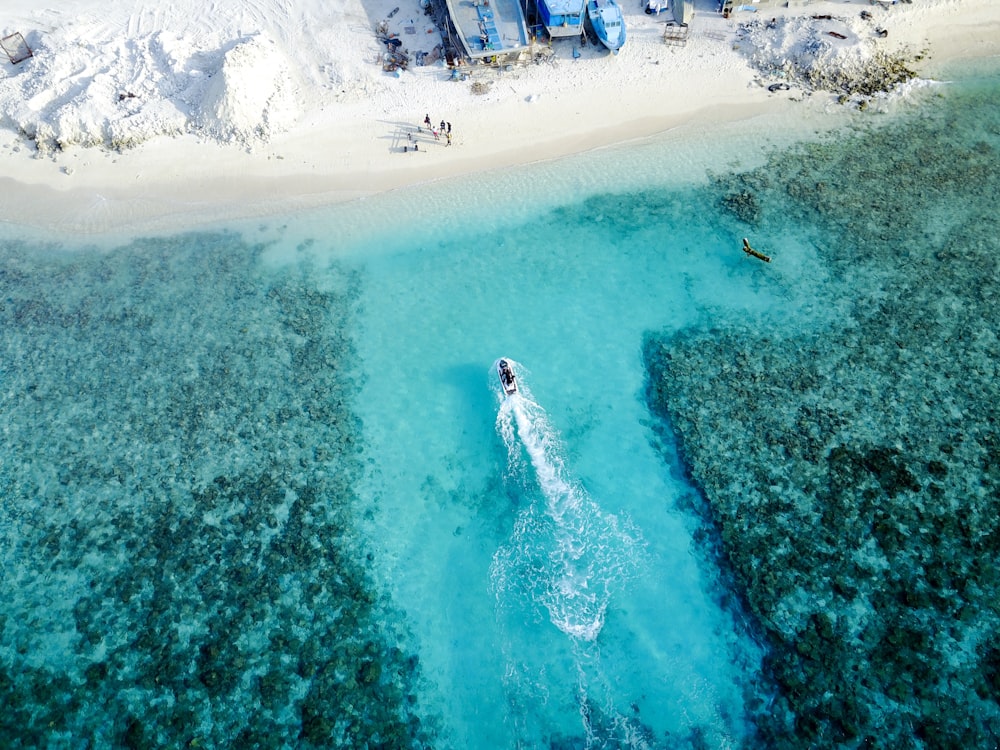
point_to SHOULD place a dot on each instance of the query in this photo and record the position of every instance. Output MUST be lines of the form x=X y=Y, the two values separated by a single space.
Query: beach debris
x=778 y=87
x=755 y=253
x=802 y=52
x=16 y=48
x=392 y=60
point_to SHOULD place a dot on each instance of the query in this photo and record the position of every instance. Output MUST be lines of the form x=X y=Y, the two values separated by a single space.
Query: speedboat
x=508 y=381
x=606 y=19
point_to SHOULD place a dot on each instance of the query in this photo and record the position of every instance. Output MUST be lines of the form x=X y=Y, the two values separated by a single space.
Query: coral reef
x=180 y=565
x=852 y=466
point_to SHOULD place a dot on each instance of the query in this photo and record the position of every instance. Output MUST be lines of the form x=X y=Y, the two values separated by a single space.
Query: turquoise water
x=851 y=467
x=261 y=488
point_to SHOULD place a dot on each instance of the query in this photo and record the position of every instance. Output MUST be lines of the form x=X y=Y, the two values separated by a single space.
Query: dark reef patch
x=180 y=452
x=853 y=469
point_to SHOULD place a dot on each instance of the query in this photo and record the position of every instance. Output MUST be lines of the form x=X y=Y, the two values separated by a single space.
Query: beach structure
x=489 y=28
x=674 y=35
x=675 y=32
x=16 y=48
x=681 y=11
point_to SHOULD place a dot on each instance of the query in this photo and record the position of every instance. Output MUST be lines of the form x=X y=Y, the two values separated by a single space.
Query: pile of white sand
x=121 y=78
x=252 y=96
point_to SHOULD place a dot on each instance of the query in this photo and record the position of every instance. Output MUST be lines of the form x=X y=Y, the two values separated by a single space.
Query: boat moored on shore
x=606 y=19
x=561 y=18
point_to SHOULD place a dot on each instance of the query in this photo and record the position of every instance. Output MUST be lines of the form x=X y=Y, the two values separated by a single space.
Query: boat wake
x=565 y=552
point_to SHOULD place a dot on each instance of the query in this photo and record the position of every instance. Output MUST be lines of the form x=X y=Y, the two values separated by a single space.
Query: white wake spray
x=565 y=552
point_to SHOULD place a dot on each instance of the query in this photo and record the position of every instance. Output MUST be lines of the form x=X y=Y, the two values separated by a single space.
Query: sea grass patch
x=181 y=564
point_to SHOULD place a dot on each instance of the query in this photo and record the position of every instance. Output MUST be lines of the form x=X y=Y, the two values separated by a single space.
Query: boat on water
x=561 y=18
x=508 y=380
x=606 y=19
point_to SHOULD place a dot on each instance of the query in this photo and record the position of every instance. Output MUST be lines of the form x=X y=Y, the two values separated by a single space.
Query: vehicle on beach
x=606 y=19
x=508 y=381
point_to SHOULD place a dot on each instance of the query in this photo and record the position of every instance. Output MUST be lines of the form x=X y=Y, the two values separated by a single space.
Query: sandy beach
x=137 y=120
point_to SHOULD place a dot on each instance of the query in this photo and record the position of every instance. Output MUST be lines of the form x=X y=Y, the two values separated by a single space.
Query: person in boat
x=505 y=374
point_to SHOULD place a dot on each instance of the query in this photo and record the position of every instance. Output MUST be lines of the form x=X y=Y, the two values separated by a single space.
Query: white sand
x=202 y=110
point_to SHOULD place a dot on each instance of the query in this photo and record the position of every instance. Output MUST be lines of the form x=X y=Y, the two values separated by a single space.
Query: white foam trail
x=565 y=552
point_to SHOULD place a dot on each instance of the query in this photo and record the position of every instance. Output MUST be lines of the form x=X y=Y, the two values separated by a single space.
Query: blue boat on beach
x=606 y=19
x=562 y=18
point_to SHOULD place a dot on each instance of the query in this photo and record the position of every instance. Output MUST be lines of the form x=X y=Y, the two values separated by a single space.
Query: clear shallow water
x=269 y=494
x=463 y=511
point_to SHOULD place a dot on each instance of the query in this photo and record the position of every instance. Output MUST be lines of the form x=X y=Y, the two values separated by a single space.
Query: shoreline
x=532 y=114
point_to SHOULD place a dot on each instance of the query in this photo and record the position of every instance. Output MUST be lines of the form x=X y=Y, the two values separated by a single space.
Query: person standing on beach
x=448 y=136
x=427 y=121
